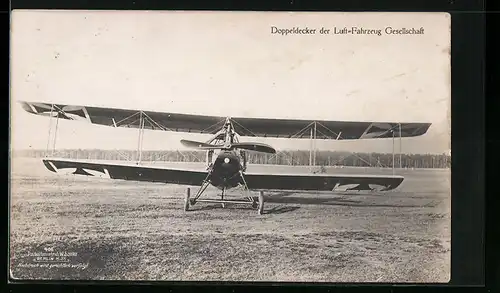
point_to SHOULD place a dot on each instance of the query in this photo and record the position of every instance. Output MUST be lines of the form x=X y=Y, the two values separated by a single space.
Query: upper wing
x=322 y=182
x=126 y=171
x=261 y=127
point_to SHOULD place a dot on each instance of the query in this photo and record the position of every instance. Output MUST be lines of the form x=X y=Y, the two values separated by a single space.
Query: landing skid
x=259 y=204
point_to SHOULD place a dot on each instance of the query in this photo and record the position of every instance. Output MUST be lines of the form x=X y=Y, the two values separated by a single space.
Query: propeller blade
x=199 y=145
x=253 y=146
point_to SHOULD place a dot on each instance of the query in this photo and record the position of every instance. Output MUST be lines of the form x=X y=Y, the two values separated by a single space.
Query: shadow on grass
x=281 y=209
x=291 y=197
x=267 y=210
x=332 y=201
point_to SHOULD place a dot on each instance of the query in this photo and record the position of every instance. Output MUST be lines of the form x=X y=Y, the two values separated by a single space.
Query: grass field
x=118 y=230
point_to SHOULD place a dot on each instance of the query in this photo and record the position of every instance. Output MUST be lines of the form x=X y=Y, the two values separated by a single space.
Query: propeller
x=200 y=145
x=251 y=146
x=254 y=146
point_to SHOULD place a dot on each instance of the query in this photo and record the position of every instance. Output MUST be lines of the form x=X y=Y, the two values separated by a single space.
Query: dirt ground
x=77 y=227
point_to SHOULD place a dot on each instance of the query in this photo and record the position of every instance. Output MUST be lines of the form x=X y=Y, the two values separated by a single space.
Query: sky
x=230 y=64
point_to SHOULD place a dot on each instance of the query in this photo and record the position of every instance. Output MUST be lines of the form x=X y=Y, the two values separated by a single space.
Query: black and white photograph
x=230 y=146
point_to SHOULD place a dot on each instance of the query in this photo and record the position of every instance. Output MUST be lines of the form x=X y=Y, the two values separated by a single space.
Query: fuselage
x=226 y=170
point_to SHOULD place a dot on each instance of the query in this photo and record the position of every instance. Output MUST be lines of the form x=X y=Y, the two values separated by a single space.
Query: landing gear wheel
x=261 y=203
x=254 y=204
x=187 y=200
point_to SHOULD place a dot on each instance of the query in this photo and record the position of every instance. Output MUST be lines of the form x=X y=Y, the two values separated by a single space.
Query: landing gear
x=187 y=200
x=222 y=197
x=256 y=204
x=260 y=209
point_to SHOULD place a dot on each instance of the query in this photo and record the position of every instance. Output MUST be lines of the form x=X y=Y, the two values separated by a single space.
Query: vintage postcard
x=230 y=146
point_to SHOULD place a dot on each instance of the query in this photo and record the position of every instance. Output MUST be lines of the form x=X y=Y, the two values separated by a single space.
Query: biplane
x=226 y=153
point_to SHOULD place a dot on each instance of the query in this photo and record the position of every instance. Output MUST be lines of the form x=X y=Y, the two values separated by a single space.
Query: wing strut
x=314 y=131
x=314 y=143
x=312 y=151
x=400 y=150
x=50 y=129
x=141 y=138
x=298 y=134
x=400 y=147
x=52 y=150
x=392 y=152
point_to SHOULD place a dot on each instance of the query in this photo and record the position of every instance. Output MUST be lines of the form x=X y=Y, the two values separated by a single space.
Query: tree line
x=295 y=158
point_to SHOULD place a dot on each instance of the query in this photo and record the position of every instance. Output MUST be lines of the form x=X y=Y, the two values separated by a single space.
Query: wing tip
x=48 y=165
x=27 y=107
x=422 y=129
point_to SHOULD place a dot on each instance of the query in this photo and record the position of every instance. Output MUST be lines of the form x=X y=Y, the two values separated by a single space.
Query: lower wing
x=255 y=181
x=126 y=171
x=322 y=182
